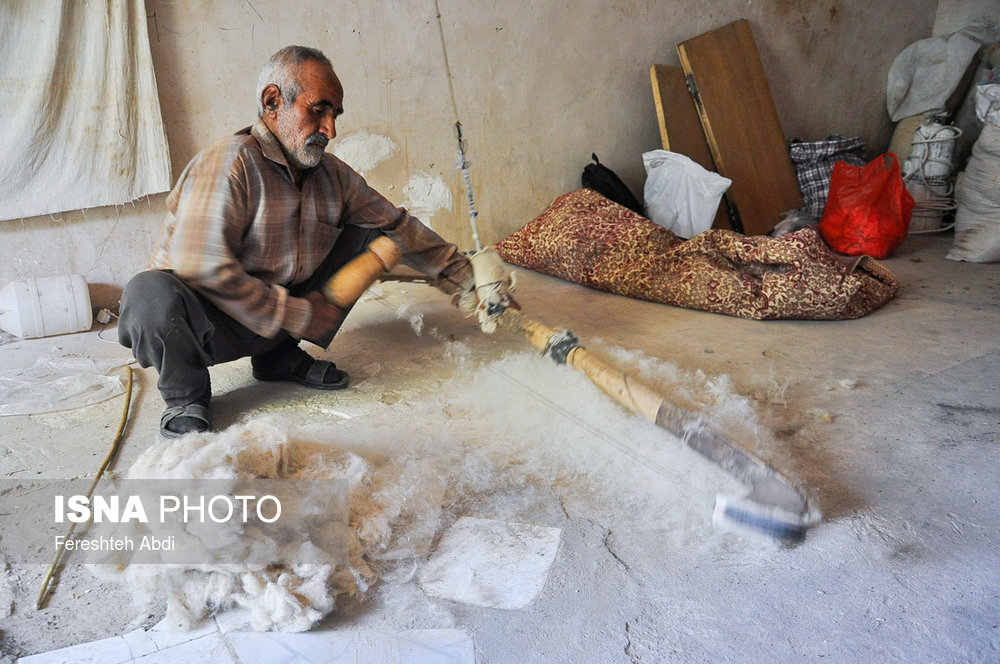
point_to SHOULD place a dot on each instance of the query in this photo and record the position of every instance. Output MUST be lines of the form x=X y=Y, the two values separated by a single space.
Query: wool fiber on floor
x=517 y=438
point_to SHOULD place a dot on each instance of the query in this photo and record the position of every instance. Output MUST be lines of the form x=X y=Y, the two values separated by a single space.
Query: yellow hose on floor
x=51 y=578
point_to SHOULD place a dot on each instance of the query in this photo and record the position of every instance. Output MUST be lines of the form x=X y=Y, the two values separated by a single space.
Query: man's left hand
x=325 y=321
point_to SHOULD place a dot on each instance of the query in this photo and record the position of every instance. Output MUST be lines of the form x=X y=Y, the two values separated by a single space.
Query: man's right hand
x=325 y=321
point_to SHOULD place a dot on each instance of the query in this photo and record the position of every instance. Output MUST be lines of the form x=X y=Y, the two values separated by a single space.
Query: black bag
x=604 y=181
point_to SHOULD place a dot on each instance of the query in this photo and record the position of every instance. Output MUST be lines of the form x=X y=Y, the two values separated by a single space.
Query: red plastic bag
x=868 y=208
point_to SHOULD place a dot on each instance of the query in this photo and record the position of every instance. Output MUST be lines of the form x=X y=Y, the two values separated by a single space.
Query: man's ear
x=270 y=97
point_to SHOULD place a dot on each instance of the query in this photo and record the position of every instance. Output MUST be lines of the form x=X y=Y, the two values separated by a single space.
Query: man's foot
x=300 y=367
x=179 y=420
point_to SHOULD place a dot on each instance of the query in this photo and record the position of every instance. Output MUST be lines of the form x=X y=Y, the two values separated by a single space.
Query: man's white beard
x=307 y=155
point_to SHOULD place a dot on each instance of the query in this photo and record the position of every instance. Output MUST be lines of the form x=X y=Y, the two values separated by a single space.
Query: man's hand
x=325 y=321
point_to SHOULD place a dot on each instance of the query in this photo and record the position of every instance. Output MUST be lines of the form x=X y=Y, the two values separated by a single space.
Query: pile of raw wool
x=290 y=598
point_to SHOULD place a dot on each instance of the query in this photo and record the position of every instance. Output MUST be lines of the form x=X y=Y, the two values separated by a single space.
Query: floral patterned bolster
x=587 y=239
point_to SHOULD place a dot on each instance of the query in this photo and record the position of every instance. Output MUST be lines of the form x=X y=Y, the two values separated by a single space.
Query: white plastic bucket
x=45 y=307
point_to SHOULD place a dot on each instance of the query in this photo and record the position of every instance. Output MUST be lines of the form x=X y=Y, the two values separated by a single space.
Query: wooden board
x=680 y=128
x=741 y=124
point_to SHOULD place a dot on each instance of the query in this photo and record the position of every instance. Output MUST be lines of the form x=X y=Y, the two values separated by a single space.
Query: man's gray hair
x=281 y=70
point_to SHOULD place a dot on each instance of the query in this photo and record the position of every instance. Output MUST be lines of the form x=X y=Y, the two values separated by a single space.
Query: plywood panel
x=737 y=113
x=680 y=128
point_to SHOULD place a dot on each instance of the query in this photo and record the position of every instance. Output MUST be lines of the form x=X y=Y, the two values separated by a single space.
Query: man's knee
x=148 y=301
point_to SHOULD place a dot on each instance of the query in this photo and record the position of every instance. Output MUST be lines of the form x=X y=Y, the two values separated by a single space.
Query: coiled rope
x=935 y=193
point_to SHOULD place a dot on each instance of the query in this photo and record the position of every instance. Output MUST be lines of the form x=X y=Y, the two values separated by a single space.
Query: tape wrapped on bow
x=494 y=285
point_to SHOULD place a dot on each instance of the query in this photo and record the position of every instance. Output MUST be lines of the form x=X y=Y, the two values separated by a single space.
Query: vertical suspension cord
x=463 y=162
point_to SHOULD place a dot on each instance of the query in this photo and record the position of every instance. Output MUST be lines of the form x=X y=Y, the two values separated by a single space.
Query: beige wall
x=953 y=15
x=539 y=85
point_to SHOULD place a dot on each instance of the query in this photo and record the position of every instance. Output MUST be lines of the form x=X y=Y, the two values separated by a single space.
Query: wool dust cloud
x=503 y=439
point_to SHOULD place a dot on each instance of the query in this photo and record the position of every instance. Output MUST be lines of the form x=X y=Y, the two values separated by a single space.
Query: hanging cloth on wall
x=81 y=117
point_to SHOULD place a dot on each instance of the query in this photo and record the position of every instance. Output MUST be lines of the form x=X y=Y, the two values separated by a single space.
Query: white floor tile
x=440 y=646
x=146 y=646
x=218 y=643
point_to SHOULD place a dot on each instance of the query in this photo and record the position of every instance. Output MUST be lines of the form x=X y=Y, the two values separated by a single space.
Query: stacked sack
x=977 y=190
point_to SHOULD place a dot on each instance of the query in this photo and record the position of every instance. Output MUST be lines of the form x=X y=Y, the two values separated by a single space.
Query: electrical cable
x=104 y=325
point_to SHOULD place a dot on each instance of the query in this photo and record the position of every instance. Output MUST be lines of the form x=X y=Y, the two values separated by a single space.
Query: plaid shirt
x=241 y=232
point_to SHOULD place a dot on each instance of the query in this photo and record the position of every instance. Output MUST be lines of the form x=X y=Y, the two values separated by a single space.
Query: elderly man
x=256 y=224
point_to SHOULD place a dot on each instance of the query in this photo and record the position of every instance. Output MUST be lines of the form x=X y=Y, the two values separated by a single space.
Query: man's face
x=306 y=126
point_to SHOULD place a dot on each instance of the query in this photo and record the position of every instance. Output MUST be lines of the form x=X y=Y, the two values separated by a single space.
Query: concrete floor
x=890 y=422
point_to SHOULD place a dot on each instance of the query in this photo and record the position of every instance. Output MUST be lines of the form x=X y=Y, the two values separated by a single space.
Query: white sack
x=81 y=117
x=926 y=73
x=988 y=103
x=977 y=200
x=679 y=194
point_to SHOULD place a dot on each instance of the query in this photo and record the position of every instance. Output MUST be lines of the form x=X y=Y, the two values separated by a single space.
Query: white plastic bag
x=680 y=195
x=58 y=383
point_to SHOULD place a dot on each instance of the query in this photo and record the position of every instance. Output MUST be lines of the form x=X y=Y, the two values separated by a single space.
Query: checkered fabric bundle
x=814 y=165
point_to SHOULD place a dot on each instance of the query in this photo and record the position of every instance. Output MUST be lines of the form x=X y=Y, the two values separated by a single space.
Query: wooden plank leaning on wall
x=741 y=124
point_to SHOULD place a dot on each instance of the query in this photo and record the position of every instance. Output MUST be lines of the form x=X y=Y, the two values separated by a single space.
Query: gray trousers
x=171 y=326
